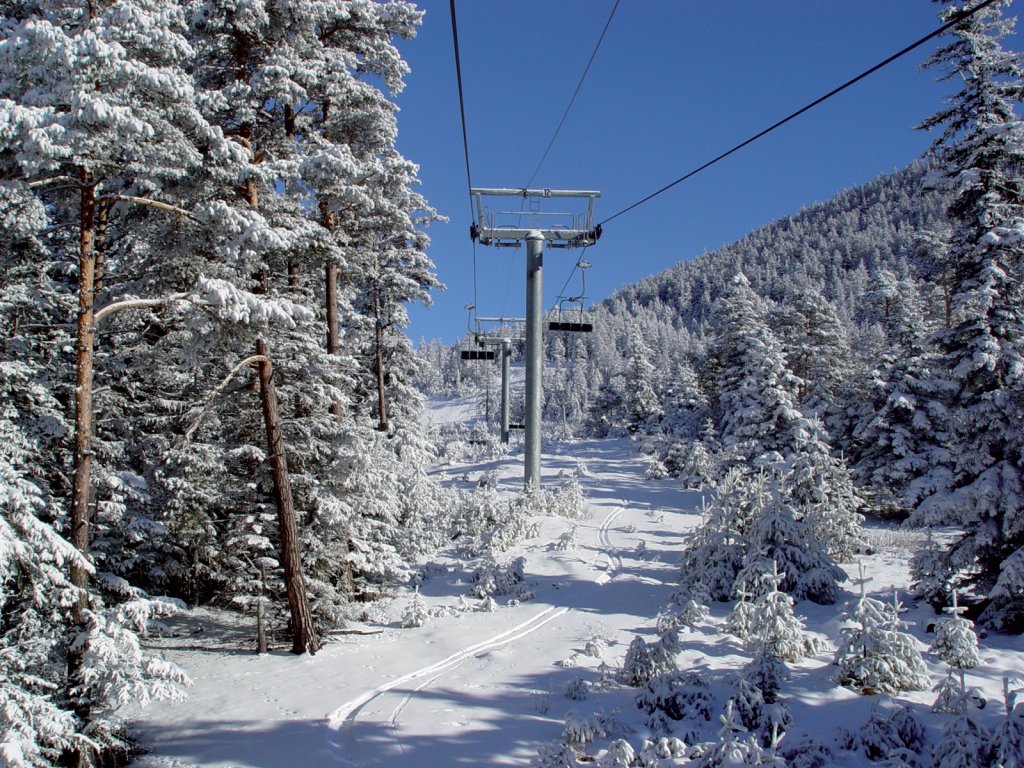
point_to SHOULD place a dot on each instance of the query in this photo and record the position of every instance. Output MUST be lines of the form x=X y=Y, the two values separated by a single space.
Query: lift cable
x=958 y=18
x=574 y=95
x=573 y=272
x=465 y=135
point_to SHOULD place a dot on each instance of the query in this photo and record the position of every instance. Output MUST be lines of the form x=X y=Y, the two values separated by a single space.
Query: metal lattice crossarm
x=560 y=229
x=494 y=330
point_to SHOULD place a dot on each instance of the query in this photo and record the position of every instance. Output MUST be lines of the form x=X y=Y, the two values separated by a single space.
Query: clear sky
x=675 y=83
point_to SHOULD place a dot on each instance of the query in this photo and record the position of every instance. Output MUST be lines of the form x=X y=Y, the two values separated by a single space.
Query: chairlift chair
x=576 y=320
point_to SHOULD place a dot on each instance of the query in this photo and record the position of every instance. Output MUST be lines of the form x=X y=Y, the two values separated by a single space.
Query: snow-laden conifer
x=874 y=654
x=1006 y=743
x=978 y=358
x=955 y=641
x=778 y=543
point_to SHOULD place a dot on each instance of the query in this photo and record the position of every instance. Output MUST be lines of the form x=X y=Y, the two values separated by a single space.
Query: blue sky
x=675 y=83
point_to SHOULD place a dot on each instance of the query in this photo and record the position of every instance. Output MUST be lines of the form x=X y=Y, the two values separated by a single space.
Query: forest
x=208 y=395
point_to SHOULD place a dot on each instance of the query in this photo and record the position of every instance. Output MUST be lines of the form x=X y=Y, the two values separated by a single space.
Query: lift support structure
x=508 y=229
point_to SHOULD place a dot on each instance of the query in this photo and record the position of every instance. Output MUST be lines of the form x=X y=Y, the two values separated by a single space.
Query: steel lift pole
x=504 y=229
x=506 y=358
x=534 y=353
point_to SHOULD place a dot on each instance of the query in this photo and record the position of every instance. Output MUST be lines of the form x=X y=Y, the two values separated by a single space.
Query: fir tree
x=980 y=156
x=874 y=655
x=955 y=641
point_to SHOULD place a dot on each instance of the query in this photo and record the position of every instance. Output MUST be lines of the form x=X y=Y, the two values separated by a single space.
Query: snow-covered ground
x=477 y=688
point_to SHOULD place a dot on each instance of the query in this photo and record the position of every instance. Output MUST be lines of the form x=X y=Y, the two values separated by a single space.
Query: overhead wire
x=575 y=93
x=965 y=14
x=465 y=136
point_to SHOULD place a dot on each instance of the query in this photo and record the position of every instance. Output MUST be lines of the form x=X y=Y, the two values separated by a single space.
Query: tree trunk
x=81 y=483
x=333 y=323
x=304 y=638
x=334 y=348
x=382 y=405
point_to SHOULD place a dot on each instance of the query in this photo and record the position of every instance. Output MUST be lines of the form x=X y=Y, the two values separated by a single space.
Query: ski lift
x=573 y=320
x=475 y=350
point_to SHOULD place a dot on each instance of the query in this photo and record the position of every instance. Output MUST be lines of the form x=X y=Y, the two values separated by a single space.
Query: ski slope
x=477 y=688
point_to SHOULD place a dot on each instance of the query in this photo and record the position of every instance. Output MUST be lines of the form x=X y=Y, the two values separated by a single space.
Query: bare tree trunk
x=333 y=323
x=81 y=483
x=304 y=639
x=100 y=245
x=382 y=405
x=334 y=348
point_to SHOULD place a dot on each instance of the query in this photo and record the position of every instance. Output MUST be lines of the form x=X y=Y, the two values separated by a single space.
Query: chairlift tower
x=505 y=331
x=508 y=229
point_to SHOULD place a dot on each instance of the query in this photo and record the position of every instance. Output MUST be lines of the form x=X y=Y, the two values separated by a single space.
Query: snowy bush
x=580 y=730
x=681 y=613
x=555 y=754
x=777 y=629
x=568 y=501
x=655 y=469
x=735 y=748
x=594 y=648
x=964 y=743
x=765 y=721
x=566 y=540
x=955 y=641
x=620 y=754
x=802 y=751
x=890 y=728
x=416 y=613
x=644 y=661
x=577 y=689
x=676 y=696
x=1006 y=745
x=666 y=748
x=493 y=580
x=767 y=672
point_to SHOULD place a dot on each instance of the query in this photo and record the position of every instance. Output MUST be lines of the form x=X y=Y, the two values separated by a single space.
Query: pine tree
x=1007 y=740
x=643 y=409
x=955 y=641
x=756 y=401
x=980 y=156
x=778 y=543
x=874 y=655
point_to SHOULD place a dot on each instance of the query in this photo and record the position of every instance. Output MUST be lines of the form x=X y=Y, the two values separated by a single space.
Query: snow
x=478 y=688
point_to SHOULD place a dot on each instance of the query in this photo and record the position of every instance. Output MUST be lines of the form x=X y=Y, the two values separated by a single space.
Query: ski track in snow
x=344 y=719
x=610 y=553
x=343 y=722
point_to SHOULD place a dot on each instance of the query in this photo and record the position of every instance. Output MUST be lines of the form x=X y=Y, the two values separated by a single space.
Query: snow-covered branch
x=238 y=306
x=150 y=203
x=117 y=306
x=251 y=360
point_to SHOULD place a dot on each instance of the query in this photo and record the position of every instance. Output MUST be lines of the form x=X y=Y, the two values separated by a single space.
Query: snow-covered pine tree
x=778 y=543
x=979 y=160
x=1006 y=744
x=756 y=391
x=643 y=409
x=955 y=641
x=101 y=124
x=964 y=742
x=773 y=626
x=816 y=347
x=823 y=492
x=874 y=655
x=714 y=555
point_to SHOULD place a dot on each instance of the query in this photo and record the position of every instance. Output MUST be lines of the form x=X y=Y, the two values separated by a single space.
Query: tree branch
x=117 y=306
x=251 y=360
x=151 y=203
